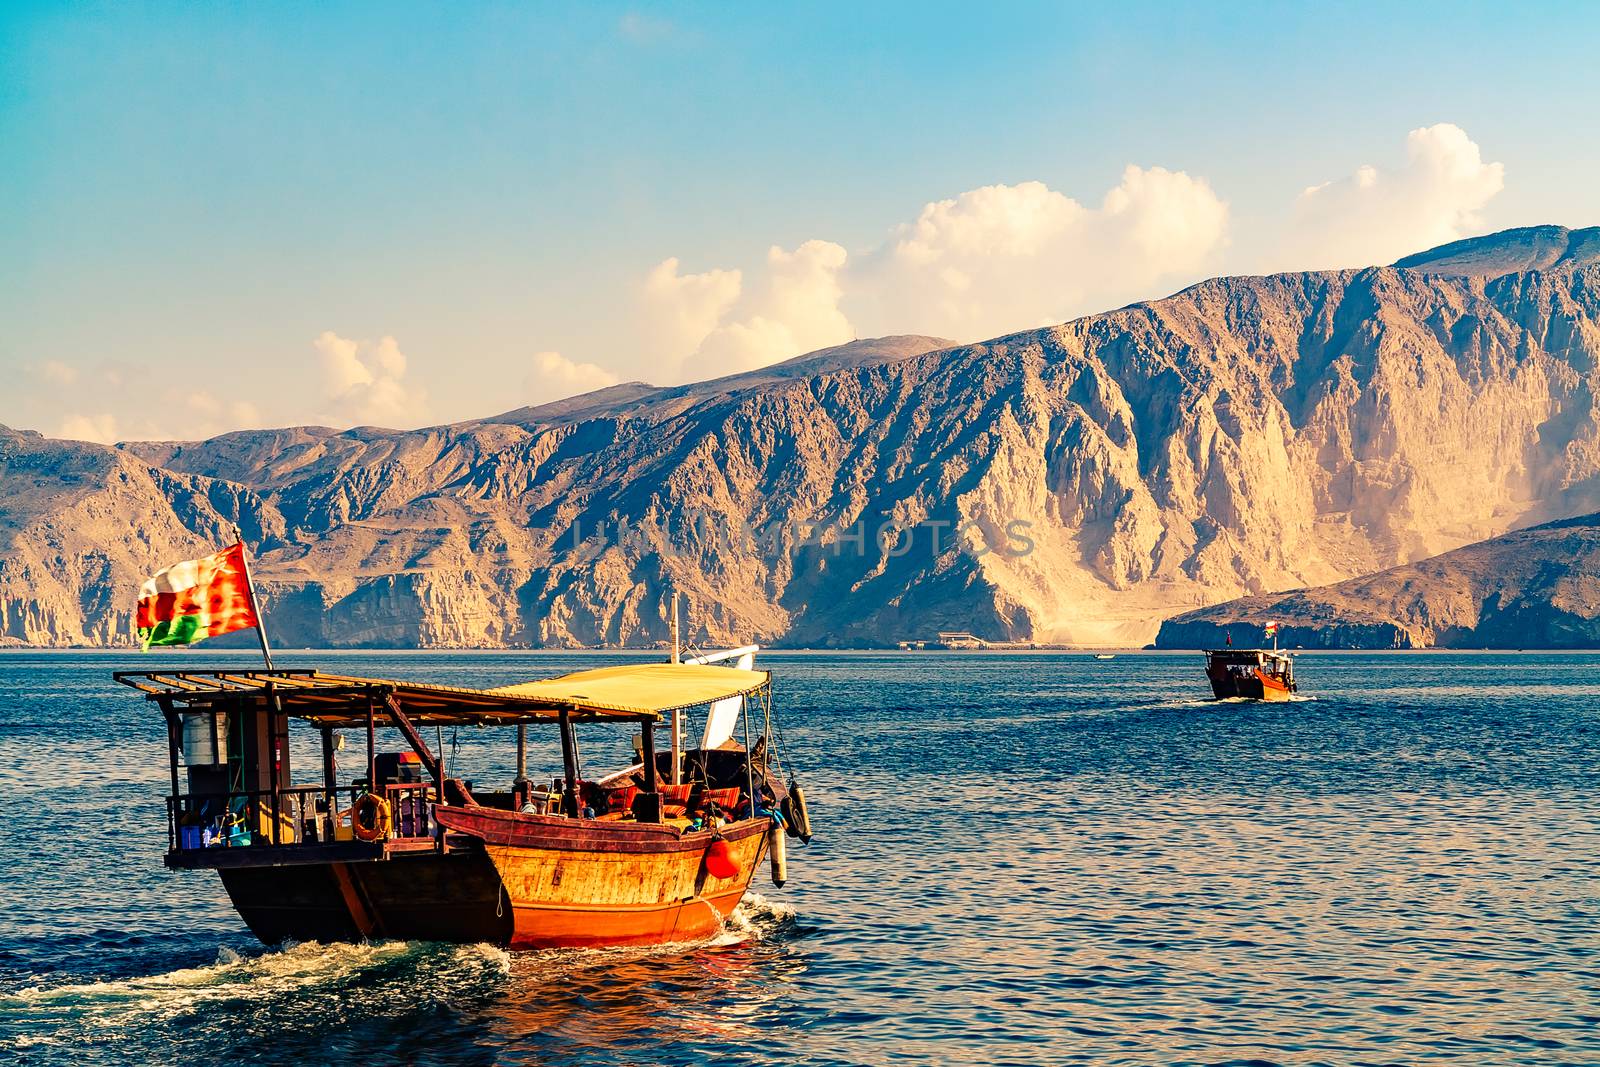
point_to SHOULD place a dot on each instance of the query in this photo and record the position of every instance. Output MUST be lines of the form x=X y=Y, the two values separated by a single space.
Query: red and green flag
x=197 y=599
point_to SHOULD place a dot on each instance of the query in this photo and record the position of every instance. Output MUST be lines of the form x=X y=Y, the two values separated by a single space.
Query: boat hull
x=427 y=896
x=1255 y=686
x=519 y=881
x=580 y=884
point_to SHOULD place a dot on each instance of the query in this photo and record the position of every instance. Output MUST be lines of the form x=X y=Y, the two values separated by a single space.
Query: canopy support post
x=372 y=750
x=174 y=806
x=274 y=756
x=569 y=763
x=330 y=783
x=675 y=776
x=522 y=755
x=749 y=762
x=647 y=806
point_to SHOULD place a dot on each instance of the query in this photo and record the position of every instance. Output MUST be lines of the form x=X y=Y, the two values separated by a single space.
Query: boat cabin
x=237 y=798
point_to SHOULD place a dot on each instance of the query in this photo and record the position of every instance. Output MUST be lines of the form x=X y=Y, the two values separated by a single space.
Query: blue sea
x=1019 y=859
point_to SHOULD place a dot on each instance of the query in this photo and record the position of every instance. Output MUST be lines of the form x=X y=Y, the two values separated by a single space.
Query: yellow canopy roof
x=640 y=688
x=628 y=693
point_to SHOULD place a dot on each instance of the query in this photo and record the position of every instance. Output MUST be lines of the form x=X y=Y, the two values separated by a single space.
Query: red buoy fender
x=719 y=860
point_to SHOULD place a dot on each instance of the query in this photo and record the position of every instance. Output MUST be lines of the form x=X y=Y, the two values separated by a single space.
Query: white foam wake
x=49 y=1014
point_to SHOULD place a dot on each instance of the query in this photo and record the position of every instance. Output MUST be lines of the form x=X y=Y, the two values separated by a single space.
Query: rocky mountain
x=1535 y=588
x=1072 y=484
x=1541 y=248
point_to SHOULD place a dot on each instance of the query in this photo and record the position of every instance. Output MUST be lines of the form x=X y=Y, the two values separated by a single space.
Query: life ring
x=369 y=817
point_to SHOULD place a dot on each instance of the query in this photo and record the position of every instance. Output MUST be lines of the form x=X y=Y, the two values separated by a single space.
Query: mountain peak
x=1528 y=248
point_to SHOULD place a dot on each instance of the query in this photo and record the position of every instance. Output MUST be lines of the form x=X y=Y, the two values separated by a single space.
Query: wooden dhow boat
x=1250 y=673
x=658 y=852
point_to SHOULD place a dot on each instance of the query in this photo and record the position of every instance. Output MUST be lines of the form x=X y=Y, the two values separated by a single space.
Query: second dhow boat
x=659 y=852
x=1250 y=673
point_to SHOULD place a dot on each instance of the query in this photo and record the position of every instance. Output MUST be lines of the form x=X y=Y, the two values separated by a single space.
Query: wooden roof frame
x=341 y=701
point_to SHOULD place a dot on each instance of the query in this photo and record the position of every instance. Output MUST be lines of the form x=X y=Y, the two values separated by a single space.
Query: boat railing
x=292 y=816
x=410 y=810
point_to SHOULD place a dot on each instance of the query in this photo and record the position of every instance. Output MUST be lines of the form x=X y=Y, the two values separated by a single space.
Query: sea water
x=1019 y=859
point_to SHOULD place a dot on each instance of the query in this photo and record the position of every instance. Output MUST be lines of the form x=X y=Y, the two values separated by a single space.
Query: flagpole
x=255 y=606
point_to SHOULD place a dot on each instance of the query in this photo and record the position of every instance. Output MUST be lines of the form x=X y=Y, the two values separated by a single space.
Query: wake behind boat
x=658 y=852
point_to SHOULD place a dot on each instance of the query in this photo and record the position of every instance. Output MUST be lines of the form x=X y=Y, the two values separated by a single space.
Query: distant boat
x=1105 y=655
x=1252 y=673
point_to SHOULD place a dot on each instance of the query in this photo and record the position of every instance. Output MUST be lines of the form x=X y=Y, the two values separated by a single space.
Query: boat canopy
x=641 y=688
x=634 y=693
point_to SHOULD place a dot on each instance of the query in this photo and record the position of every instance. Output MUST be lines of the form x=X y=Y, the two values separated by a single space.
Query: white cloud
x=1004 y=258
x=56 y=374
x=100 y=428
x=698 y=326
x=645 y=28
x=554 y=377
x=192 y=417
x=990 y=261
x=206 y=416
x=1376 y=216
x=681 y=310
x=365 y=382
x=794 y=309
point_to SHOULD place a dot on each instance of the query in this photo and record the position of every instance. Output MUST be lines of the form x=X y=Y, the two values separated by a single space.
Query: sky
x=229 y=216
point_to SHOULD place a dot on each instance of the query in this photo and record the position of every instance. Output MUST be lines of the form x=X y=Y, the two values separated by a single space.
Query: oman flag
x=197 y=599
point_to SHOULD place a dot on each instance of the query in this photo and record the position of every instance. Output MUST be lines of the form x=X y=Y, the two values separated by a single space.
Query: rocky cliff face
x=1073 y=484
x=1536 y=588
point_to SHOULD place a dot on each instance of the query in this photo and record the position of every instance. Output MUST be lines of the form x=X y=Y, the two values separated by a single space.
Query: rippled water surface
x=1030 y=858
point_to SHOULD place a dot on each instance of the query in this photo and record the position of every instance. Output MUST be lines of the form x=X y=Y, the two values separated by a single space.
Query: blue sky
x=229 y=215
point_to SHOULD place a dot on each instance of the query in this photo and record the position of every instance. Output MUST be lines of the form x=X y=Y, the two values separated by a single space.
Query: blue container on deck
x=188 y=837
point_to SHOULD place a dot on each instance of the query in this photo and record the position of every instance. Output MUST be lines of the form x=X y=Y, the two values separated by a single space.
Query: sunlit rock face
x=1075 y=484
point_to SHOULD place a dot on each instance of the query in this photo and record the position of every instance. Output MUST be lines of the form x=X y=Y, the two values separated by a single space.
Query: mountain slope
x=1071 y=484
x=1535 y=588
x=632 y=396
x=1541 y=248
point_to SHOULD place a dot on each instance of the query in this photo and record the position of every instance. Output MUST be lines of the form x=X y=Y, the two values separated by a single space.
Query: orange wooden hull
x=1272 y=688
x=582 y=883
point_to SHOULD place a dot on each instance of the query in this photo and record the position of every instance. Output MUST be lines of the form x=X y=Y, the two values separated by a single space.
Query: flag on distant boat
x=197 y=599
x=1271 y=629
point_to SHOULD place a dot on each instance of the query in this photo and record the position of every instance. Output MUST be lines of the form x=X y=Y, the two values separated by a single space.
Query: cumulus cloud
x=1009 y=257
x=700 y=326
x=101 y=428
x=365 y=382
x=56 y=374
x=681 y=310
x=191 y=417
x=990 y=261
x=206 y=416
x=793 y=309
x=554 y=377
x=1376 y=216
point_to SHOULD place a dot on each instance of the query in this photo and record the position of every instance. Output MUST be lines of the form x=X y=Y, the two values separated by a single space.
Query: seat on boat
x=727 y=800
x=675 y=798
x=620 y=801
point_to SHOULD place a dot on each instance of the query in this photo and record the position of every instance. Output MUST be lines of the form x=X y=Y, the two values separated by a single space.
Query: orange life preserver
x=369 y=817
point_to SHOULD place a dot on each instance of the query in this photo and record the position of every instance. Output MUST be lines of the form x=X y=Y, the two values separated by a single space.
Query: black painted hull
x=455 y=897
